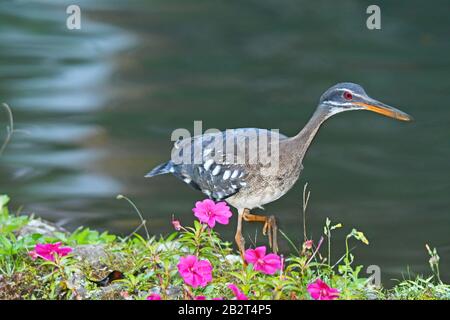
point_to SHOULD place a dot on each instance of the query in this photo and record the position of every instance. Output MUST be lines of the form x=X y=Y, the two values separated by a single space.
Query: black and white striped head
x=347 y=96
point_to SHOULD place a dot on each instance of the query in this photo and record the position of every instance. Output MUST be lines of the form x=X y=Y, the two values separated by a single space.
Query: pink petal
x=202 y=216
x=211 y=222
x=64 y=251
x=264 y=268
x=319 y=290
x=315 y=294
x=260 y=251
x=272 y=263
x=222 y=219
x=250 y=256
x=267 y=264
x=197 y=280
x=233 y=288
x=42 y=248
x=222 y=209
x=33 y=254
x=221 y=204
x=47 y=251
x=308 y=244
x=47 y=256
x=204 y=266
x=239 y=295
x=199 y=207
x=186 y=263
x=268 y=269
x=195 y=272
x=333 y=291
x=176 y=225
x=319 y=283
x=154 y=296
x=189 y=278
x=209 y=203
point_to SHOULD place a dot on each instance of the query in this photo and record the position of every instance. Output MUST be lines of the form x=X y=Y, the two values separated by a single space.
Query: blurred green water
x=96 y=107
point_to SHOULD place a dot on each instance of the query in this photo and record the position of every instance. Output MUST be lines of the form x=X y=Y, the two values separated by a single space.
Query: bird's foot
x=271 y=228
x=240 y=241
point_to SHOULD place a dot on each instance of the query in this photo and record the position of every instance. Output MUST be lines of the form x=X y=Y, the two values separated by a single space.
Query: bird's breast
x=262 y=189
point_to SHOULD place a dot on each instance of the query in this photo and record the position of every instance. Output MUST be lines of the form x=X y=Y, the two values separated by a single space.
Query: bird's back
x=221 y=164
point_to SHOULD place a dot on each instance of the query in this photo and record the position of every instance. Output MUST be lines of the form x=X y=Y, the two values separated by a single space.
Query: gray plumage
x=219 y=175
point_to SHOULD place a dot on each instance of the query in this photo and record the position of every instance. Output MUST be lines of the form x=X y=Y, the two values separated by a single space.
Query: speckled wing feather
x=217 y=172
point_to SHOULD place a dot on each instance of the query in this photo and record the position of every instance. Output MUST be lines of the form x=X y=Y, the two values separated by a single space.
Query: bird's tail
x=161 y=169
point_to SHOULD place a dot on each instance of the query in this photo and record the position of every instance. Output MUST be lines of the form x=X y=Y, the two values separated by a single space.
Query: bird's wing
x=217 y=171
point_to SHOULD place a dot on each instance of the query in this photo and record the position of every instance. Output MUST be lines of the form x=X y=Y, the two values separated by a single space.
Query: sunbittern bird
x=248 y=184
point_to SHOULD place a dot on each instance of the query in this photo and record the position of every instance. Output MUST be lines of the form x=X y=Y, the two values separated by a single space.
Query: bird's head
x=348 y=96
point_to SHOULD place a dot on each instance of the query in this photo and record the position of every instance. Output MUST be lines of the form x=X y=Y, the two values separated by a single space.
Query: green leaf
x=4 y=199
x=172 y=236
x=339 y=225
x=360 y=236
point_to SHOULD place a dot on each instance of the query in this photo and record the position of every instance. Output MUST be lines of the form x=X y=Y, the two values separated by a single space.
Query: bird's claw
x=270 y=228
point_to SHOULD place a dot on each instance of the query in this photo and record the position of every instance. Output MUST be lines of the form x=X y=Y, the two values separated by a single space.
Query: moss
x=17 y=286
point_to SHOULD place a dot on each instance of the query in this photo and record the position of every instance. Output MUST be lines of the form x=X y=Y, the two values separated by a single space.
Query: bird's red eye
x=347 y=95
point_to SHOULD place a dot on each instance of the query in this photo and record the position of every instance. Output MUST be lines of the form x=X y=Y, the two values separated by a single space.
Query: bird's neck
x=302 y=141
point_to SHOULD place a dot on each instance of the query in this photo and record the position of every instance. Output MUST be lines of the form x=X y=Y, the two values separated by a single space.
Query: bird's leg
x=270 y=227
x=240 y=241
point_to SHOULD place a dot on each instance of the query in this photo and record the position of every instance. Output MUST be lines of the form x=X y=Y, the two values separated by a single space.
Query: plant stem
x=9 y=128
x=315 y=251
x=347 y=262
x=329 y=247
x=143 y=221
x=305 y=205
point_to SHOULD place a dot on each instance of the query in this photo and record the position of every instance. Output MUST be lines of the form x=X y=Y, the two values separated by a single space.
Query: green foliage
x=9 y=223
x=86 y=236
x=150 y=266
x=420 y=288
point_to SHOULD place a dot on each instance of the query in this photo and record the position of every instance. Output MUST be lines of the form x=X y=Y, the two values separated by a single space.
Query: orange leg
x=240 y=241
x=270 y=227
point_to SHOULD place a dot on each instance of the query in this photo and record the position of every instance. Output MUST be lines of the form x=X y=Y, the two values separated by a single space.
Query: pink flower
x=176 y=224
x=319 y=290
x=238 y=293
x=48 y=251
x=33 y=254
x=154 y=296
x=195 y=272
x=209 y=212
x=308 y=244
x=268 y=264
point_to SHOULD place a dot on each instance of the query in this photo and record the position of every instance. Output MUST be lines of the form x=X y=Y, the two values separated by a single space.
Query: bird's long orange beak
x=381 y=108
